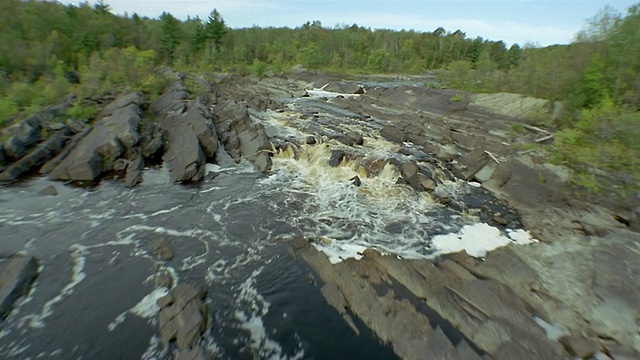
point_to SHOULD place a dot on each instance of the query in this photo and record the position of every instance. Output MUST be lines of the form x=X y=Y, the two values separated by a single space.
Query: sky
x=512 y=21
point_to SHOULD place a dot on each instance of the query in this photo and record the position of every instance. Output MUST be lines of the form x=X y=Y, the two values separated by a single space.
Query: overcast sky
x=515 y=21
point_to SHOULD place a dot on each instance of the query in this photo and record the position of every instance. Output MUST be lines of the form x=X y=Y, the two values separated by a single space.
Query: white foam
x=251 y=320
x=476 y=240
x=338 y=251
x=148 y=307
x=211 y=168
x=553 y=331
x=77 y=275
x=318 y=93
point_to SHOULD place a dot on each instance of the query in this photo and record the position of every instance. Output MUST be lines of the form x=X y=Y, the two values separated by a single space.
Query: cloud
x=246 y=13
x=508 y=31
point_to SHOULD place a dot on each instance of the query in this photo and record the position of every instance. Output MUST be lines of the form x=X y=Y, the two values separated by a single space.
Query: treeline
x=38 y=38
x=48 y=50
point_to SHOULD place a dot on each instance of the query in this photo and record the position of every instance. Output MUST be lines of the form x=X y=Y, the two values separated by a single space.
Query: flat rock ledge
x=455 y=308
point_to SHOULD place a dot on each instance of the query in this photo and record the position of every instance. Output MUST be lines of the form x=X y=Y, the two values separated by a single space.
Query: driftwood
x=544 y=138
x=492 y=157
x=534 y=128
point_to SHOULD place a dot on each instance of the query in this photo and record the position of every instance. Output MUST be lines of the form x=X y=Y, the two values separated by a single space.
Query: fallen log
x=544 y=138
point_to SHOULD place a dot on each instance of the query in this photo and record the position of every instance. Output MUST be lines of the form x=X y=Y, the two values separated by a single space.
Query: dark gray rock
x=162 y=249
x=171 y=101
x=336 y=157
x=151 y=138
x=53 y=163
x=309 y=140
x=356 y=181
x=49 y=191
x=242 y=137
x=76 y=126
x=121 y=102
x=183 y=316
x=22 y=137
x=36 y=158
x=114 y=135
x=392 y=134
x=420 y=182
x=357 y=138
x=16 y=276
x=190 y=138
x=134 y=172
x=634 y=220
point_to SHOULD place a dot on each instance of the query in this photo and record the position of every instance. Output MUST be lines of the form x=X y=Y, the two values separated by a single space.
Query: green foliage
x=593 y=83
x=259 y=68
x=8 y=109
x=603 y=138
x=309 y=57
x=457 y=97
x=380 y=60
x=518 y=128
x=82 y=111
x=459 y=73
x=171 y=36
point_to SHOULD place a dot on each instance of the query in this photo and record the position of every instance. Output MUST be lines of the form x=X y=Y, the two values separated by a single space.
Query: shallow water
x=95 y=296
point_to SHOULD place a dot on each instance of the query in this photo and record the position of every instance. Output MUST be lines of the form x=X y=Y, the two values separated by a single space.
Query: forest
x=48 y=50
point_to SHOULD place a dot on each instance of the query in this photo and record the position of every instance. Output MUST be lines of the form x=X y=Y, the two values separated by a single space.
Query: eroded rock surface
x=242 y=137
x=16 y=276
x=114 y=136
x=183 y=318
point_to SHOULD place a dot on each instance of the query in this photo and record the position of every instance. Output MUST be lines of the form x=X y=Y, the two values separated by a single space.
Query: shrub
x=259 y=68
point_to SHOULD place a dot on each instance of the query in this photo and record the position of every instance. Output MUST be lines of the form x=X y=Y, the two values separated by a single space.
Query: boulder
x=412 y=176
x=22 y=137
x=355 y=137
x=162 y=249
x=190 y=138
x=16 y=276
x=133 y=174
x=53 y=163
x=183 y=316
x=36 y=158
x=242 y=137
x=49 y=191
x=336 y=157
x=392 y=134
x=112 y=137
x=151 y=138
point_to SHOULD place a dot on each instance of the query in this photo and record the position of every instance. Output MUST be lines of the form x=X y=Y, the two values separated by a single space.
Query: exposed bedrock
x=242 y=137
x=115 y=136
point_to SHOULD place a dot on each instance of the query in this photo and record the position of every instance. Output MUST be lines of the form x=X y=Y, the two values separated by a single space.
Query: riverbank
x=378 y=171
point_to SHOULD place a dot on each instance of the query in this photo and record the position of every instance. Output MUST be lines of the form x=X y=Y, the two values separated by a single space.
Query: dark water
x=95 y=296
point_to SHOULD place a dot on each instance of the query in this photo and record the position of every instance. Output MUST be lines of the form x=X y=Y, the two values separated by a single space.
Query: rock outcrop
x=242 y=137
x=183 y=318
x=36 y=158
x=115 y=136
x=190 y=135
x=16 y=276
x=405 y=301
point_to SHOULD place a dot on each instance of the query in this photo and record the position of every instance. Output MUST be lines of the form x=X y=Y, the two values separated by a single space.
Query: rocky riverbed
x=306 y=218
